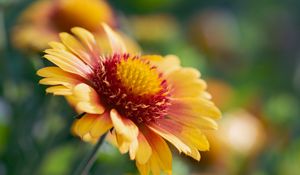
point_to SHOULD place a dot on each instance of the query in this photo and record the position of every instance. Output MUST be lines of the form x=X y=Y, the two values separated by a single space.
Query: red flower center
x=133 y=87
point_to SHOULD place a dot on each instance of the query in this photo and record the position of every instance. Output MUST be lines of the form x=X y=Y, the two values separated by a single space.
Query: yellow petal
x=122 y=143
x=69 y=83
x=144 y=150
x=196 y=138
x=154 y=165
x=83 y=125
x=56 y=76
x=165 y=64
x=194 y=107
x=52 y=72
x=123 y=126
x=111 y=138
x=126 y=133
x=86 y=38
x=188 y=114
x=68 y=62
x=101 y=125
x=144 y=169
x=116 y=43
x=59 y=90
x=69 y=58
x=195 y=121
x=169 y=134
x=53 y=81
x=75 y=46
x=87 y=138
x=87 y=99
x=91 y=127
x=72 y=101
x=161 y=158
x=133 y=148
x=190 y=136
x=195 y=154
x=185 y=82
x=57 y=45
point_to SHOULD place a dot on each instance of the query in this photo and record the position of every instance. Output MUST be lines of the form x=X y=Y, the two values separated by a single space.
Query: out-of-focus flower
x=166 y=28
x=143 y=99
x=41 y=22
x=242 y=132
x=240 y=136
x=216 y=33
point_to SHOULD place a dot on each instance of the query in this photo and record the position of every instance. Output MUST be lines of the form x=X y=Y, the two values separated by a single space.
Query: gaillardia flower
x=140 y=99
x=43 y=20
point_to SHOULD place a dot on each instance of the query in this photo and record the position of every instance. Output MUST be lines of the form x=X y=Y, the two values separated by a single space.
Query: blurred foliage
x=251 y=48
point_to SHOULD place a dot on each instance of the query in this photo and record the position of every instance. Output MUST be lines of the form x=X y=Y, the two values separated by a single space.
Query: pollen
x=138 y=77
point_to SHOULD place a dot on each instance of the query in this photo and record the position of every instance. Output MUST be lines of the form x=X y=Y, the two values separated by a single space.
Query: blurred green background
x=248 y=51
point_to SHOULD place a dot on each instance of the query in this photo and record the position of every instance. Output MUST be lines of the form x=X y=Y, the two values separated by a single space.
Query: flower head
x=44 y=19
x=141 y=99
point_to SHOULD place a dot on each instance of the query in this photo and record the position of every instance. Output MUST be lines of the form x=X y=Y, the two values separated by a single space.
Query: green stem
x=86 y=165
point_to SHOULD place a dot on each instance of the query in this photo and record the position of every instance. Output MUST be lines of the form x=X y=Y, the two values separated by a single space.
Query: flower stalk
x=87 y=163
